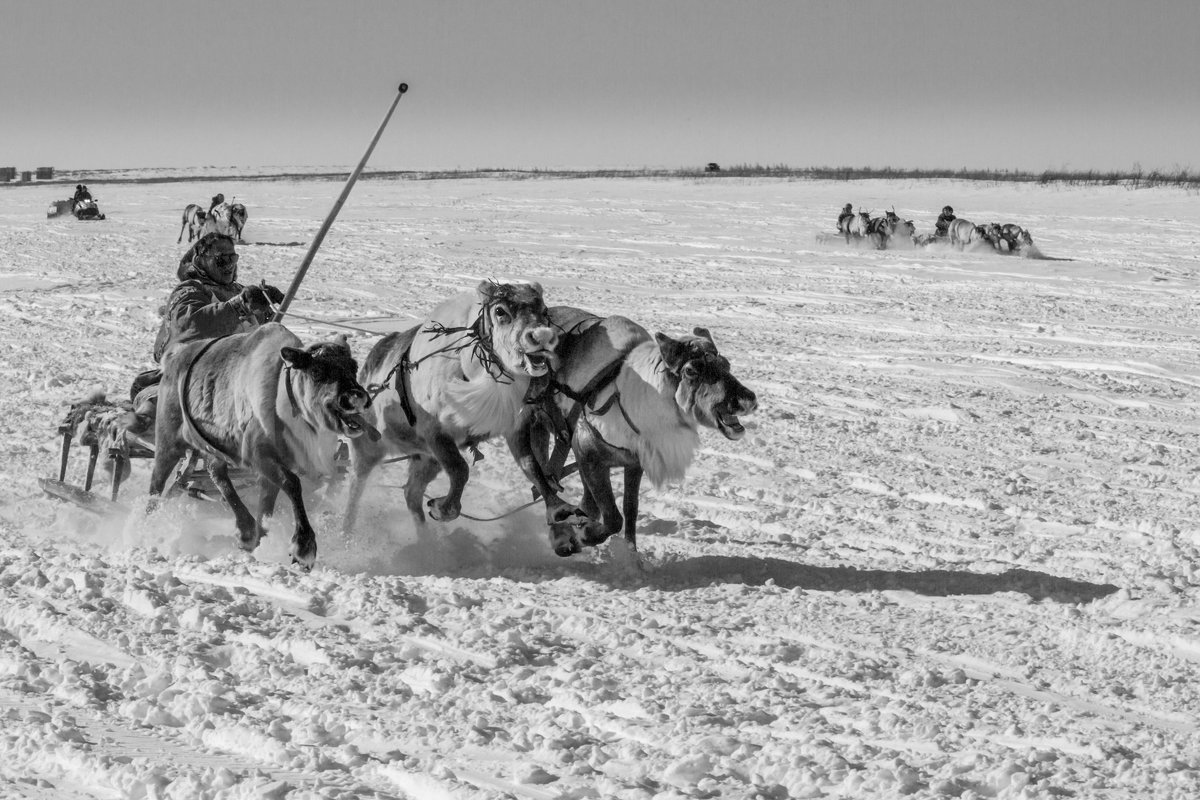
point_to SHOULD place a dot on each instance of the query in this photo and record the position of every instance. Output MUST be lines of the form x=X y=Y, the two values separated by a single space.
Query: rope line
x=463 y=515
x=332 y=324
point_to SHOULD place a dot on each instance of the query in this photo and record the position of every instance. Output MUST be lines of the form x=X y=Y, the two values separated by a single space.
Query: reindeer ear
x=486 y=290
x=674 y=352
x=703 y=334
x=294 y=358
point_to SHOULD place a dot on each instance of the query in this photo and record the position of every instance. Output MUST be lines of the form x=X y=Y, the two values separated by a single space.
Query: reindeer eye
x=690 y=372
x=501 y=314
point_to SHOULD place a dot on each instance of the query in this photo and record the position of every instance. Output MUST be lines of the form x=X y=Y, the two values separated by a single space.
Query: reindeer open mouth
x=725 y=413
x=352 y=424
x=536 y=363
x=729 y=425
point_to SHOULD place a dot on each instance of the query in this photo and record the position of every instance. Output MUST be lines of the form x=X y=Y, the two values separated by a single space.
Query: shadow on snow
x=704 y=570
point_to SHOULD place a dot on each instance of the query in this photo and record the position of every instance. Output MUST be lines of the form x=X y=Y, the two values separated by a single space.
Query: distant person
x=941 y=228
x=847 y=212
x=216 y=201
x=81 y=193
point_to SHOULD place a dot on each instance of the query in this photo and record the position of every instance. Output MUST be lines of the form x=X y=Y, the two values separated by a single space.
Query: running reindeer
x=855 y=225
x=451 y=383
x=622 y=399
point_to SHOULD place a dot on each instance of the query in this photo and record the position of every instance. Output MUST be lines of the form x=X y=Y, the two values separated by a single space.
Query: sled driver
x=208 y=303
x=847 y=212
x=941 y=228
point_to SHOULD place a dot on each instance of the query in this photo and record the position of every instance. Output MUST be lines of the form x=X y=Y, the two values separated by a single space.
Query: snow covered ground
x=956 y=555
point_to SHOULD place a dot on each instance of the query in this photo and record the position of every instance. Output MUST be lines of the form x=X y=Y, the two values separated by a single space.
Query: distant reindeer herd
x=890 y=231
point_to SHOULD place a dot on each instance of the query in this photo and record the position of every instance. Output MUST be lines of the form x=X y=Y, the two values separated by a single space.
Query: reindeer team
x=492 y=363
x=890 y=230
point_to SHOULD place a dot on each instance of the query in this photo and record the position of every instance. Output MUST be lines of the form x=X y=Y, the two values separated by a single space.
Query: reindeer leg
x=530 y=446
x=268 y=492
x=249 y=529
x=601 y=499
x=364 y=457
x=633 y=483
x=422 y=469
x=304 y=540
x=166 y=456
x=447 y=453
x=598 y=500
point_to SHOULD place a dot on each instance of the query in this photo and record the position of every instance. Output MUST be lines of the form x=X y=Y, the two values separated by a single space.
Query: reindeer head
x=322 y=383
x=707 y=393
x=517 y=327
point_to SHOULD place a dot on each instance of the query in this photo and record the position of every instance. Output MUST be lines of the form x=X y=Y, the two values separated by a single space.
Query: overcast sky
x=1029 y=84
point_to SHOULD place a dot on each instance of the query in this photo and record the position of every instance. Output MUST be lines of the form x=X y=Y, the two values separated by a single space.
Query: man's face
x=221 y=262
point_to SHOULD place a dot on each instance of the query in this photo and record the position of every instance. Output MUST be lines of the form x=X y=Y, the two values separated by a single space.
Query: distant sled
x=83 y=209
x=86 y=209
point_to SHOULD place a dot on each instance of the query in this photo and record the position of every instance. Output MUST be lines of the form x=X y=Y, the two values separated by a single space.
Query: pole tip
x=403 y=88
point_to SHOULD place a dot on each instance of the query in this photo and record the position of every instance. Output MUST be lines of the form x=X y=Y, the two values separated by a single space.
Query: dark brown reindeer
x=259 y=400
x=623 y=399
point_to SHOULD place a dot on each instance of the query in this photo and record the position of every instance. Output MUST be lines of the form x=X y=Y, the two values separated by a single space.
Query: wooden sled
x=97 y=425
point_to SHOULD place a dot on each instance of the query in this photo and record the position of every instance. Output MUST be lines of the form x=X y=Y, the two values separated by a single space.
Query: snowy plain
x=957 y=553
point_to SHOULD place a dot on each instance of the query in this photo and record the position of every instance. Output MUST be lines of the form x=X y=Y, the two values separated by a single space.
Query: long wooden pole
x=333 y=212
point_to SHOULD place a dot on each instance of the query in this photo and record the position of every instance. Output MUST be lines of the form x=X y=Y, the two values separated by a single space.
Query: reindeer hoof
x=579 y=521
x=442 y=512
x=565 y=540
x=304 y=560
x=596 y=538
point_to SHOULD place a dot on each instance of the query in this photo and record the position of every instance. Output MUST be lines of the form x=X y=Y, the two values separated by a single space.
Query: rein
x=477 y=336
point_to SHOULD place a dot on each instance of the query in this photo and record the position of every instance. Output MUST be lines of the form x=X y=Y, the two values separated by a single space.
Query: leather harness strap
x=541 y=396
x=402 y=369
x=585 y=397
x=405 y=365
